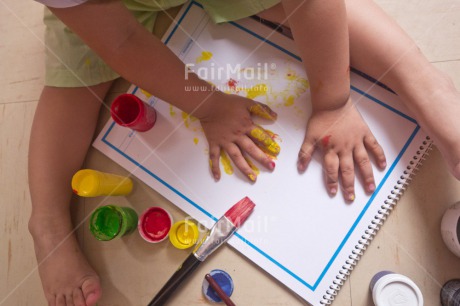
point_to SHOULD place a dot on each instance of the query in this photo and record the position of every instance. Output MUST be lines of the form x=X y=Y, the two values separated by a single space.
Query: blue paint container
x=225 y=282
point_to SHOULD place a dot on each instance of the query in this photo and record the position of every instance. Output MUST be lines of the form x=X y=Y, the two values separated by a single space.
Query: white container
x=450 y=228
x=391 y=289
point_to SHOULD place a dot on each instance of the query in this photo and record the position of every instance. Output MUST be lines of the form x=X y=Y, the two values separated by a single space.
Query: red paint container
x=130 y=111
x=154 y=224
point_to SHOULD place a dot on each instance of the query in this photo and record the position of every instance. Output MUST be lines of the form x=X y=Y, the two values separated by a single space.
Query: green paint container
x=109 y=222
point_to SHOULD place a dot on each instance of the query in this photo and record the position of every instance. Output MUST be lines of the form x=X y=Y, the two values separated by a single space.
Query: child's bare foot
x=66 y=275
x=439 y=116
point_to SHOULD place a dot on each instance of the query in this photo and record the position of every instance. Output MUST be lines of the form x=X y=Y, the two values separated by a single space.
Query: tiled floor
x=409 y=243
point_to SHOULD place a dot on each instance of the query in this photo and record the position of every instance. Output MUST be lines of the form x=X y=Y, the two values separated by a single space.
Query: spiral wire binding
x=379 y=219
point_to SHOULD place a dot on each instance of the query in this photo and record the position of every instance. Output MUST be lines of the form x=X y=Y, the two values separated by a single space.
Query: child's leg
x=62 y=131
x=380 y=48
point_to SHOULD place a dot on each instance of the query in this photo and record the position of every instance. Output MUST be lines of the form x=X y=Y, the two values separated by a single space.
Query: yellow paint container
x=92 y=183
x=184 y=234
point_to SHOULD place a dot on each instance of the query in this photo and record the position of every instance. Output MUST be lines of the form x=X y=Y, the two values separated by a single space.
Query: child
x=77 y=82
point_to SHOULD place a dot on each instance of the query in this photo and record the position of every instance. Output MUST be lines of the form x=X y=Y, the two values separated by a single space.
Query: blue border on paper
x=274 y=261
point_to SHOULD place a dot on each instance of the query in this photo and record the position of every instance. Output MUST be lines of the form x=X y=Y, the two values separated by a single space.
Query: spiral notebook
x=300 y=235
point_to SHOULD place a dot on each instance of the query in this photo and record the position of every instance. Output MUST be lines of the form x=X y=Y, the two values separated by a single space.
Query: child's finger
x=263 y=111
x=255 y=152
x=236 y=156
x=376 y=150
x=347 y=174
x=365 y=168
x=331 y=171
x=305 y=153
x=214 y=156
x=259 y=135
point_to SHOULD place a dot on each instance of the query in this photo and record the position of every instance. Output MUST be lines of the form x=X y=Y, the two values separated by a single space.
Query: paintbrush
x=220 y=292
x=222 y=230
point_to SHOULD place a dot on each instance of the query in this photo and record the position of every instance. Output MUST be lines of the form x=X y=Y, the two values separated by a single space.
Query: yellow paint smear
x=172 y=112
x=205 y=56
x=195 y=140
x=226 y=163
x=291 y=75
x=188 y=119
x=257 y=91
x=289 y=101
x=272 y=134
x=146 y=93
x=268 y=143
x=261 y=111
x=251 y=164
x=297 y=84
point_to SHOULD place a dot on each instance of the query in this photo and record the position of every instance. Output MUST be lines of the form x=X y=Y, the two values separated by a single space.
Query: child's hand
x=228 y=127
x=344 y=139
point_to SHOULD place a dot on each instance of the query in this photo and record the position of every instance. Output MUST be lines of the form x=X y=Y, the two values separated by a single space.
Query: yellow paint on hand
x=268 y=143
x=195 y=140
x=252 y=177
x=251 y=164
x=146 y=93
x=262 y=111
x=256 y=91
x=205 y=56
x=272 y=134
x=226 y=163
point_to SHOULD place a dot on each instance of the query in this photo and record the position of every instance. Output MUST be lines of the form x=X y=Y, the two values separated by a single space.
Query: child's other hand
x=344 y=139
x=228 y=127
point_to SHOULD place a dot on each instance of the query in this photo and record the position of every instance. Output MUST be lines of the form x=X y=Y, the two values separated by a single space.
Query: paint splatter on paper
x=146 y=93
x=188 y=120
x=172 y=111
x=257 y=91
x=232 y=86
x=205 y=56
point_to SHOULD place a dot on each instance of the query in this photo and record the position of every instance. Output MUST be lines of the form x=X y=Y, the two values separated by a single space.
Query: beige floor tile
x=19 y=284
x=21 y=51
x=432 y=24
x=452 y=68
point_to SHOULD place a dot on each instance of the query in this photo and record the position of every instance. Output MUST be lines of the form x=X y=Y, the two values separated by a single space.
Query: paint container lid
x=225 y=282
x=183 y=234
x=105 y=223
x=396 y=289
x=85 y=182
x=450 y=228
x=154 y=224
